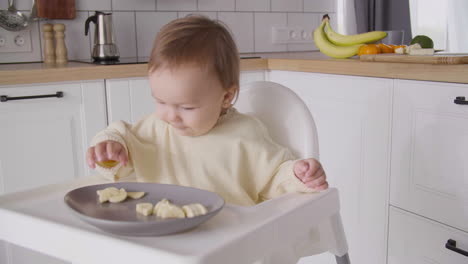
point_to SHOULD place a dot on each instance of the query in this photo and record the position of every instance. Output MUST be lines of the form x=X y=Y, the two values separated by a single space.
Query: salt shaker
x=60 y=48
x=49 y=47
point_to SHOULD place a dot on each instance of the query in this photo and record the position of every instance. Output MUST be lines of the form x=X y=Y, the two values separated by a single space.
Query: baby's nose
x=172 y=115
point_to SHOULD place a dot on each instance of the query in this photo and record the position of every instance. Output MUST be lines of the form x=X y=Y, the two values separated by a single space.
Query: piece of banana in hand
x=144 y=208
x=195 y=209
x=166 y=209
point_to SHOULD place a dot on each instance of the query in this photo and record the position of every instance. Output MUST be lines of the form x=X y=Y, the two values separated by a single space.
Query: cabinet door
x=417 y=240
x=352 y=115
x=130 y=99
x=430 y=151
x=43 y=141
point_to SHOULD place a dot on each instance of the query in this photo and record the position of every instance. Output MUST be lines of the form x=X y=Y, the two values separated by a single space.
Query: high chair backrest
x=285 y=115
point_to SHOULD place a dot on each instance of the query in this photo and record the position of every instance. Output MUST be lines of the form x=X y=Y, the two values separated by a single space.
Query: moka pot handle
x=90 y=19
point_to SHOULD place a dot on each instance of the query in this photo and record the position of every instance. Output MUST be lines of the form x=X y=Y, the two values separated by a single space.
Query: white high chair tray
x=39 y=219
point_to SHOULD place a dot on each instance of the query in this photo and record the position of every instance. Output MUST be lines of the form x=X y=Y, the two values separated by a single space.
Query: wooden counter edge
x=43 y=74
x=408 y=71
x=77 y=72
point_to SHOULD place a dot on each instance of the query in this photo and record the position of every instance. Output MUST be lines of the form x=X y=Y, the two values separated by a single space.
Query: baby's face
x=188 y=98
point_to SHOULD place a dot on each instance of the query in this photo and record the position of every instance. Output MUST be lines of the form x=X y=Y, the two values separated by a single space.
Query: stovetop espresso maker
x=105 y=48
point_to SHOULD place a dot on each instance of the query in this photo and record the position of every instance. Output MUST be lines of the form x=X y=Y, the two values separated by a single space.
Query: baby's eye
x=159 y=102
x=188 y=108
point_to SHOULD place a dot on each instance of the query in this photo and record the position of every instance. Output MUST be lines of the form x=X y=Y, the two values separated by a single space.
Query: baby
x=195 y=137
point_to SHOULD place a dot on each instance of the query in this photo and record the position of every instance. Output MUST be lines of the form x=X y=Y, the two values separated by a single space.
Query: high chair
x=278 y=231
x=291 y=124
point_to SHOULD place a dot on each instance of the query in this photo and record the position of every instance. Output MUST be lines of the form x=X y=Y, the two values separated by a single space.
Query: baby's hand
x=311 y=173
x=106 y=150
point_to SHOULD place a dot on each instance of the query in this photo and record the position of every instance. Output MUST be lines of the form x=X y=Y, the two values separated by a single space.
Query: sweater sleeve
x=118 y=132
x=282 y=179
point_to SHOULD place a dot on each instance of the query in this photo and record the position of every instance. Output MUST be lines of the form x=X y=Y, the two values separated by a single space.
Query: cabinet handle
x=4 y=98
x=460 y=100
x=452 y=245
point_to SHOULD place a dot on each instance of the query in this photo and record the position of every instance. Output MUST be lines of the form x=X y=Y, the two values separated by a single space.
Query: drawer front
x=417 y=240
x=429 y=166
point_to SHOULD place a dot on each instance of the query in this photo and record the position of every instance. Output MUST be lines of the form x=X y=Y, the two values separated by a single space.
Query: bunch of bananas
x=340 y=46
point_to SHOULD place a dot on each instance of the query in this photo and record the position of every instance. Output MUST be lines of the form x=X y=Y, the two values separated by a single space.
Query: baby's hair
x=200 y=40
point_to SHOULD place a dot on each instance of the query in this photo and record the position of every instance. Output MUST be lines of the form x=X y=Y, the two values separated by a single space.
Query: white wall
x=137 y=22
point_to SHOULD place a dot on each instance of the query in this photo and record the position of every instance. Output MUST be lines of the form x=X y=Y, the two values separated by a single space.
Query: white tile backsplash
x=93 y=5
x=211 y=15
x=255 y=5
x=319 y=6
x=138 y=5
x=288 y=5
x=181 y=5
x=137 y=23
x=216 y=5
x=148 y=25
x=263 y=27
x=241 y=26
x=125 y=33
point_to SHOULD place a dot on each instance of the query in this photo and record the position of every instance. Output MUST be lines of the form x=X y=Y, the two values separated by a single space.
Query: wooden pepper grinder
x=60 y=48
x=49 y=46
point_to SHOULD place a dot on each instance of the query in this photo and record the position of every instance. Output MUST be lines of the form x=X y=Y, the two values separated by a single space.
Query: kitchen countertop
x=26 y=73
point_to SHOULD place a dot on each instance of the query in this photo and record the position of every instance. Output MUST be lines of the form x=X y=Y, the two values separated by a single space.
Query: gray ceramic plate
x=122 y=219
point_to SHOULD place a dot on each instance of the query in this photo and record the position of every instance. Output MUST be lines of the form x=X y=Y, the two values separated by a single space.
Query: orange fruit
x=385 y=48
x=369 y=49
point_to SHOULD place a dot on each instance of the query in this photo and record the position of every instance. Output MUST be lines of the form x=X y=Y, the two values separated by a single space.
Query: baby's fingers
x=91 y=157
x=319 y=183
x=101 y=151
x=311 y=175
x=113 y=150
x=122 y=157
x=300 y=169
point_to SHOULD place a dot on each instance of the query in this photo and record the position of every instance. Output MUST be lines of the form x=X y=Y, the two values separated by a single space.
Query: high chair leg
x=343 y=259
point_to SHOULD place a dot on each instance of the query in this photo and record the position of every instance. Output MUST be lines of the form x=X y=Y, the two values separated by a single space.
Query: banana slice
x=166 y=209
x=114 y=195
x=144 y=208
x=119 y=197
x=106 y=193
x=195 y=209
x=135 y=195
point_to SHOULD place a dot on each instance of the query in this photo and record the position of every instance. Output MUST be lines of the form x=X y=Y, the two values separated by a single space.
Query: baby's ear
x=230 y=95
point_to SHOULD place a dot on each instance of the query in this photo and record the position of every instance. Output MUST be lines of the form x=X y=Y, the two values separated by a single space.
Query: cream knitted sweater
x=236 y=159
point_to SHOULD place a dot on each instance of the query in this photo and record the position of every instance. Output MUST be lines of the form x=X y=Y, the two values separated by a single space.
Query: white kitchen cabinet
x=352 y=115
x=130 y=99
x=429 y=171
x=417 y=240
x=43 y=141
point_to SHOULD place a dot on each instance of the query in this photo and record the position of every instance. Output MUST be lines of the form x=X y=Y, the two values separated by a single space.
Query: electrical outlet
x=291 y=35
x=18 y=41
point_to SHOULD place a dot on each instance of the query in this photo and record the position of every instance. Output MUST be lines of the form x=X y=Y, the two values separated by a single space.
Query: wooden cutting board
x=403 y=58
x=56 y=9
